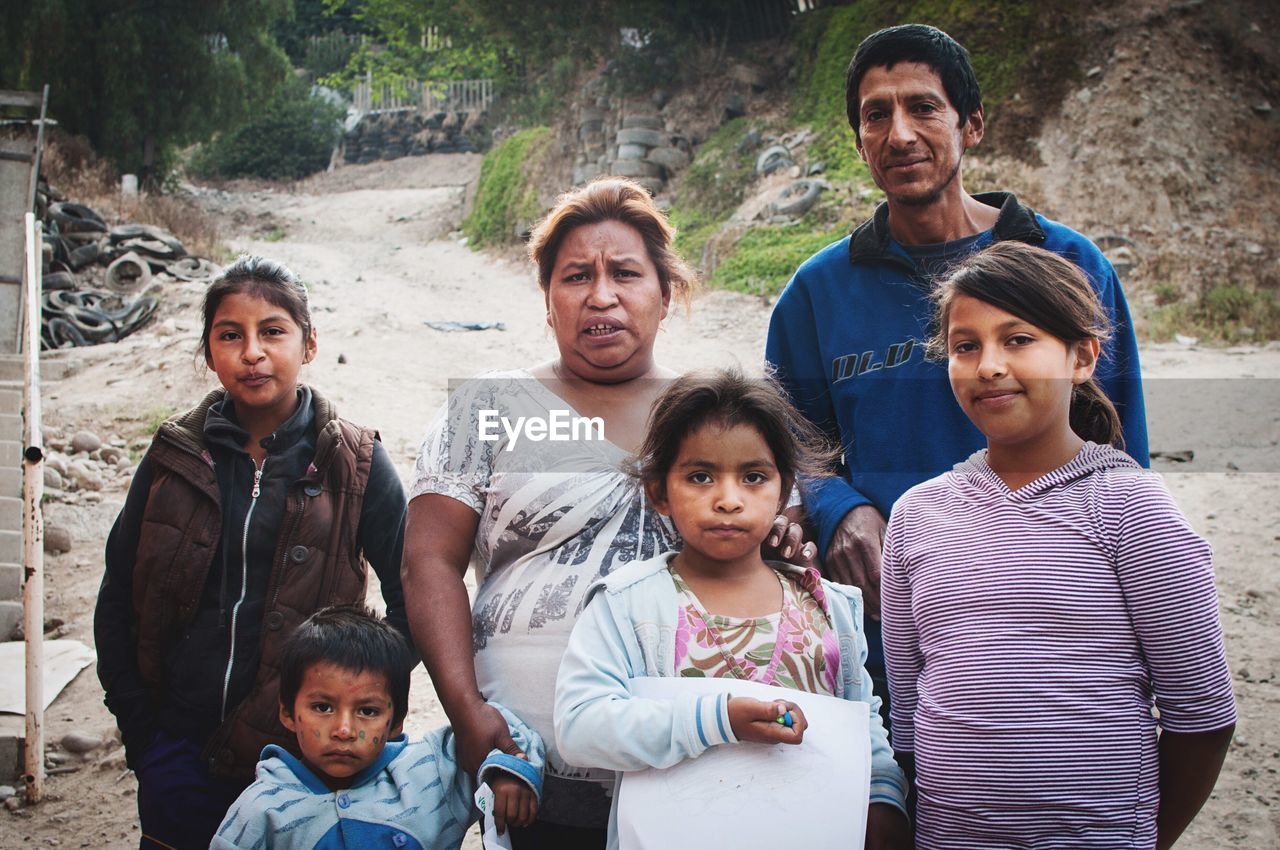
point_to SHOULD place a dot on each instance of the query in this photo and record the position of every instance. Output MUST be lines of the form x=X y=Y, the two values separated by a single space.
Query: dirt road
x=375 y=244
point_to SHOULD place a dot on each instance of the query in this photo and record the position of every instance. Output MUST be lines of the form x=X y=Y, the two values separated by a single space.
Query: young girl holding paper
x=720 y=459
x=1044 y=596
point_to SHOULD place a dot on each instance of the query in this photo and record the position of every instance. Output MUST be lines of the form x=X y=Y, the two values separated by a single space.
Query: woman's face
x=605 y=302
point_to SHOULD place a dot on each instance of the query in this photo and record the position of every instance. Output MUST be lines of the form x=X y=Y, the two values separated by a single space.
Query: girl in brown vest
x=248 y=513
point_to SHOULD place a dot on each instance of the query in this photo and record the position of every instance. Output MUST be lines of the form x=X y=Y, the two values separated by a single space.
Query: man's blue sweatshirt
x=847 y=338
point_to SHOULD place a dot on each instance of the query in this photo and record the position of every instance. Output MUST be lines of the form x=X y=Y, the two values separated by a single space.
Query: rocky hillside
x=1170 y=142
x=1149 y=126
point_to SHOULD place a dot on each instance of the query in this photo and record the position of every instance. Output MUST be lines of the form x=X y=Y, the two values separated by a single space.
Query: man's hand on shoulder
x=854 y=554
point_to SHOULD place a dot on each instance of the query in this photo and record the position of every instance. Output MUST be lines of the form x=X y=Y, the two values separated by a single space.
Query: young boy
x=344 y=691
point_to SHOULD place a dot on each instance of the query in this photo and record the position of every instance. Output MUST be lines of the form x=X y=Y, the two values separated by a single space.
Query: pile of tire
x=91 y=316
x=96 y=277
x=642 y=148
x=639 y=138
x=391 y=135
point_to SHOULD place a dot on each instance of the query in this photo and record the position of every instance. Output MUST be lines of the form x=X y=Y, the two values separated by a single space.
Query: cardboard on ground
x=63 y=659
x=812 y=795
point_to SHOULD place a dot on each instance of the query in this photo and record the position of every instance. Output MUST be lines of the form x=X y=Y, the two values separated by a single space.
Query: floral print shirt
x=793 y=648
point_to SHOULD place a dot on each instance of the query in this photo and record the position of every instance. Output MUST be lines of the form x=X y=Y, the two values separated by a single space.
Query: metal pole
x=33 y=524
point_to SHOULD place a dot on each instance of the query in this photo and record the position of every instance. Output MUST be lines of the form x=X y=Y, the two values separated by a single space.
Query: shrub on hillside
x=507 y=195
x=291 y=137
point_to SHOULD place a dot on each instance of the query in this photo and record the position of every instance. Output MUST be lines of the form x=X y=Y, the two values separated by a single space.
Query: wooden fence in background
x=455 y=96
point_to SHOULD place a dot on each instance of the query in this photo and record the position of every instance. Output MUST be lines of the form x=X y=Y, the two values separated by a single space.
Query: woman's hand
x=786 y=541
x=439 y=536
x=482 y=730
x=757 y=720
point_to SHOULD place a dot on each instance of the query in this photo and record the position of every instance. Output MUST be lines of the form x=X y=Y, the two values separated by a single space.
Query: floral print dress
x=794 y=648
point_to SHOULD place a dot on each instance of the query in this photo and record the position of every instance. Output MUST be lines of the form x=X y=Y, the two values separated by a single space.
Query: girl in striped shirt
x=1050 y=620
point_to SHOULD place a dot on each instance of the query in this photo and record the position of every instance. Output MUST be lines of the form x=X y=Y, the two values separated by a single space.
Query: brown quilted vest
x=316 y=563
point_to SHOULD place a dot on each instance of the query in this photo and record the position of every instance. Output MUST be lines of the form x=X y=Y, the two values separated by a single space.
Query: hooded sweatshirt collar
x=1090 y=459
x=222 y=428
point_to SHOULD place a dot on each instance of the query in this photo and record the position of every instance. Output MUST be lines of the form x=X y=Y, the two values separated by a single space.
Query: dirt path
x=375 y=242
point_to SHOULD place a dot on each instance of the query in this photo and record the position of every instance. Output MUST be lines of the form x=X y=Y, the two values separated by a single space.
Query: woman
x=545 y=517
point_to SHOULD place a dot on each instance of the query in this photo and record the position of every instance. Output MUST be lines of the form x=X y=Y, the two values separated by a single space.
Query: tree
x=503 y=37
x=139 y=77
x=311 y=18
x=289 y=139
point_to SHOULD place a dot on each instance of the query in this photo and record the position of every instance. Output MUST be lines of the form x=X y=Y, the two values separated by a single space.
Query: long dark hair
x=726 y=397
x=1047 y=291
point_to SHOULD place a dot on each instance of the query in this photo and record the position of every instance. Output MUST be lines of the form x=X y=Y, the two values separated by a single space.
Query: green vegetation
x=1229 y=313
x=293 y=136
x=716 y=180
x=311 y=19
x=520 y=45
x=712 y=187
x=764 y=258
x=760 y=261
x=1167 y=293
x=824 y=43
x=140 y=80
x=539 y=103
x=506 y=195
x=153 y=417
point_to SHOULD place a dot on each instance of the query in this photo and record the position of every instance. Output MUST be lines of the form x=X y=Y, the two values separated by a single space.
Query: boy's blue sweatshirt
x=414 y=796
x=847 y=339
x=627 y=631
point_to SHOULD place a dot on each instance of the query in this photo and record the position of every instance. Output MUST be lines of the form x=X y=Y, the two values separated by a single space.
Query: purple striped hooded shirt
x=1032 y=635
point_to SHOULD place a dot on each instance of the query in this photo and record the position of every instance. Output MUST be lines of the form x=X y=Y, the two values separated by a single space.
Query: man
x=847 y=334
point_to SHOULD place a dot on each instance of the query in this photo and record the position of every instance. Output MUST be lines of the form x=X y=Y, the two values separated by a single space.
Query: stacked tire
x=95 y=276
x=391 y=135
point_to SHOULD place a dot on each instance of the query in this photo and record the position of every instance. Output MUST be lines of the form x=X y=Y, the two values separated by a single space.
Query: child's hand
x=757 y=720
x=513 y=802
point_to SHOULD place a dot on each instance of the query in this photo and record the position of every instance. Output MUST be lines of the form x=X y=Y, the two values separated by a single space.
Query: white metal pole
x=33 y=524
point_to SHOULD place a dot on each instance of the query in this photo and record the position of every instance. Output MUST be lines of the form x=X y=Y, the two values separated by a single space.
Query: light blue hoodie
x=627 y=631
x=414 y=796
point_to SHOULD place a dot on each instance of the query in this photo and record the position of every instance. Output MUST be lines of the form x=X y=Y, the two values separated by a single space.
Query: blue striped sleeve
x=711 y=720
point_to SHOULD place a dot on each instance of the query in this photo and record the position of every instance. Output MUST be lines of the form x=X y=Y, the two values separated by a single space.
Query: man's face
x=910 y=134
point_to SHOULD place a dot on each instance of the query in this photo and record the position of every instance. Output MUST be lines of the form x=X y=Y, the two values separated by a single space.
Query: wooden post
x=33 y=524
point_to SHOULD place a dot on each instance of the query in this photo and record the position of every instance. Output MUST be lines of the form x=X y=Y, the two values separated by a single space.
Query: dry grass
x=75 y=171
x=197 y=231
x=78 y=174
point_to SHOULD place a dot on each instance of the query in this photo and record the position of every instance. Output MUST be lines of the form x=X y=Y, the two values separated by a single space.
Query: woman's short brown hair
x=612 y=199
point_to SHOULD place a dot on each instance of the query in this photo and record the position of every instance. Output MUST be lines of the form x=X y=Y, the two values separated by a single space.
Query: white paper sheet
x=811 y=795
x=63 y=659
x=489 y=836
